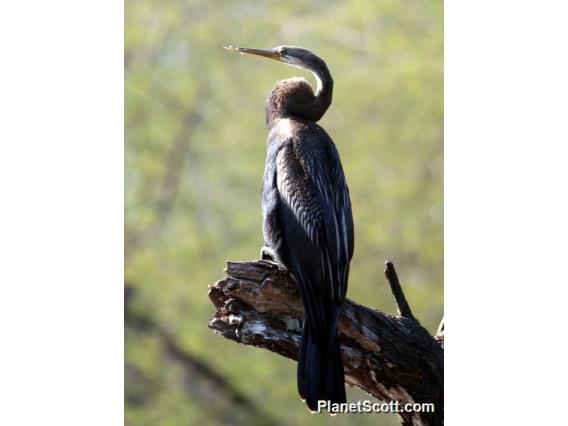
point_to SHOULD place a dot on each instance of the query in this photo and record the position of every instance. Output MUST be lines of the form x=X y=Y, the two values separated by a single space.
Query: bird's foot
x=266 y=253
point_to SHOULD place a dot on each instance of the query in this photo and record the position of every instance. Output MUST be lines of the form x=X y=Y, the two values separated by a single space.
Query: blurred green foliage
x=195 y=151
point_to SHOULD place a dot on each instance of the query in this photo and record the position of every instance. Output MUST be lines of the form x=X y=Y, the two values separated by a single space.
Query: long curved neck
x=295 y=98
x=324 y=89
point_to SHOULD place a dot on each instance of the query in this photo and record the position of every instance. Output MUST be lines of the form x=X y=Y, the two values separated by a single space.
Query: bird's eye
x=283 y=52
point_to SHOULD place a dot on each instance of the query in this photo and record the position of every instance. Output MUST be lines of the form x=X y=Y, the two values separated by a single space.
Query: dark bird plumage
x=308 y=225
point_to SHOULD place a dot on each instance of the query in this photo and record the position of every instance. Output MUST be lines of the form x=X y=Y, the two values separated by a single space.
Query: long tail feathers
x=320 y=371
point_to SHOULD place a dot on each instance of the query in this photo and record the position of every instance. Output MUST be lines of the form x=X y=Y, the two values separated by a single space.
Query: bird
x=307 y=218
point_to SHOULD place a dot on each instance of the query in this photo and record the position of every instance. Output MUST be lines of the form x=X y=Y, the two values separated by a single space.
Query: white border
x=506 y=192
x=61 y=224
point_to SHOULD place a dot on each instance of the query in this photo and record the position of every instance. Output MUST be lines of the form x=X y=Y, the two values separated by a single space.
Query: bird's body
x=307 y=220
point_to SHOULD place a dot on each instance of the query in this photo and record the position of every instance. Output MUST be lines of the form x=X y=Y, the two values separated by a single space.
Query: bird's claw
x=266 y=253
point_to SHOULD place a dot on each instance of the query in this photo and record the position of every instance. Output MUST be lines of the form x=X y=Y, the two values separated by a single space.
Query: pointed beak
x=272 y=54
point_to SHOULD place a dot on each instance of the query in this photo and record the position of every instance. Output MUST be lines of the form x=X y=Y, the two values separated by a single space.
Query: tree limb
x=392 y=358
x=440 y=333
x=401 y=303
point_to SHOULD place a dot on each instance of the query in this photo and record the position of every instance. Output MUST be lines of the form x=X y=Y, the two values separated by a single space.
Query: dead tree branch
x=392 y=358
x=440 y=333
x=401 y=303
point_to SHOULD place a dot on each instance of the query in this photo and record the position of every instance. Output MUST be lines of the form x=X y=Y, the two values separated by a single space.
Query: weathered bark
x=391 y=357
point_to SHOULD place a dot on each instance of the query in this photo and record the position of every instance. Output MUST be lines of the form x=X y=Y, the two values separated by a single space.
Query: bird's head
x=295 y=96
x=291 y=55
